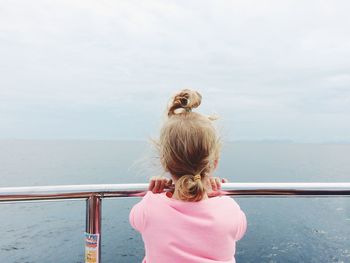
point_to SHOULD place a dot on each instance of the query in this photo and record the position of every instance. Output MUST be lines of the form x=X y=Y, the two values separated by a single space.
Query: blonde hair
x=188 y=145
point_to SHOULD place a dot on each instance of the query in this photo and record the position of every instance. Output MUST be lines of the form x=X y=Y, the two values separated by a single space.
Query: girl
x=185 y=225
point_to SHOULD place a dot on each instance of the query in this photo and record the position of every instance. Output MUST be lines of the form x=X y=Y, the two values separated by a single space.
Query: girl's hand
x=215 y=183
x=158 y=183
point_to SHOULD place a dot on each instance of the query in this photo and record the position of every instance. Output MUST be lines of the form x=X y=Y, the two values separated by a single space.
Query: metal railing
x=93 y=195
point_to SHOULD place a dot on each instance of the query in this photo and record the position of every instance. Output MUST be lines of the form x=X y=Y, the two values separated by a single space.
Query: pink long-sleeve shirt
x=176 y=231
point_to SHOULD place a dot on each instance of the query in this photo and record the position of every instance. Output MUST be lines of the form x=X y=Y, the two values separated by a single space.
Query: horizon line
x=120 y=139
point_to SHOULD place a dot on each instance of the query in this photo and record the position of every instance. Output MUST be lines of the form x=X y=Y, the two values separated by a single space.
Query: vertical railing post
x=93 y=230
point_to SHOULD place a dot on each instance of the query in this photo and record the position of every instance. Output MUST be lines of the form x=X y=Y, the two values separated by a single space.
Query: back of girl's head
x=188 y=145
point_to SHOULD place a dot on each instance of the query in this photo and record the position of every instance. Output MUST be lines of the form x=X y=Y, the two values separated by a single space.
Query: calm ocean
x=279 y=229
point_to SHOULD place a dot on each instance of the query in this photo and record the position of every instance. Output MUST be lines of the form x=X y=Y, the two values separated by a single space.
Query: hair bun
x=186 y=100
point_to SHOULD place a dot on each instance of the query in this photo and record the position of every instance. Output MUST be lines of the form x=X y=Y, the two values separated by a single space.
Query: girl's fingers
x=157 y=186
x=218 y=183
x=162 y=185
x=151 y=183
x=169 y=183
x=213 y=184
x=158 y=183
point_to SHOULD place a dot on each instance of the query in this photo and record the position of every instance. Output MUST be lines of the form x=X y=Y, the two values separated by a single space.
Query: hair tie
x=197 y=177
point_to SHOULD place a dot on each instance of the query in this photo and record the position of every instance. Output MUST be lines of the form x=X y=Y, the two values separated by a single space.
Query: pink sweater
x=175 y=231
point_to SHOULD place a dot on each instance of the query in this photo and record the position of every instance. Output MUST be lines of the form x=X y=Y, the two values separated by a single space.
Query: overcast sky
x=272 y=70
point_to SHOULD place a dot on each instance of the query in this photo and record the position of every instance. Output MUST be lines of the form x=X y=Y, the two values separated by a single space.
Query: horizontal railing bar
x=37 y=201
x=8 y=194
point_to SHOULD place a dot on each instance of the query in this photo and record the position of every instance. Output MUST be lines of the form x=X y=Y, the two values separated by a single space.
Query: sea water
x=291 y=229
